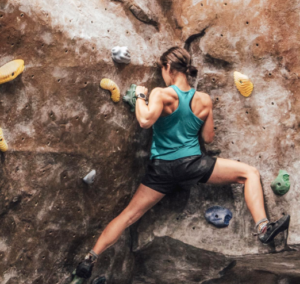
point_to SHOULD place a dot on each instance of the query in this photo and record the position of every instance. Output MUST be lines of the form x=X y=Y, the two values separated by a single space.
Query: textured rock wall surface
x=60 y=124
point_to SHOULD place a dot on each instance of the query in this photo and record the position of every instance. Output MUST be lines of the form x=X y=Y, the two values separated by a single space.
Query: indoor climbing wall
x=59 y=125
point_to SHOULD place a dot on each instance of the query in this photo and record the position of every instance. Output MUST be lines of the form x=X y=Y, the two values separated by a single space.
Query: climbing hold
x=99 y=280
x=130 y=97
x=110 y=85
x=11 y=70
x=281 y=184
x=218 y=216
x=3 y=144
x=243 y=84
x=120 y=54
x=90 y=177
x=76 y=279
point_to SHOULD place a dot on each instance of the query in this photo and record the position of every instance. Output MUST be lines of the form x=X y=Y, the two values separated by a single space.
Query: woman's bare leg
x=142 y=201
x=229 y=171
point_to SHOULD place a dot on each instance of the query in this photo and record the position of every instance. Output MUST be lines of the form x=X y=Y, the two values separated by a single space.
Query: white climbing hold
x=120 y=54
x=90 y=177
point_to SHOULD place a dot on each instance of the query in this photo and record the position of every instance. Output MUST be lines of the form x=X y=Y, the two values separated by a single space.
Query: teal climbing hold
x=130 y=97
x=76 y=279
x=281 y=184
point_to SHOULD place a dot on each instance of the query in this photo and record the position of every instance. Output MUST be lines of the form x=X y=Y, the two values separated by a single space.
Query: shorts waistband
x=180 y=159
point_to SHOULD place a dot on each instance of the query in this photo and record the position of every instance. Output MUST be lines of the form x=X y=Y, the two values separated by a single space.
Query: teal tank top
x=176 y=136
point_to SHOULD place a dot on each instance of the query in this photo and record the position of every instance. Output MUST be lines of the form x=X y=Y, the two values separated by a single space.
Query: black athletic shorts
x=165 y=176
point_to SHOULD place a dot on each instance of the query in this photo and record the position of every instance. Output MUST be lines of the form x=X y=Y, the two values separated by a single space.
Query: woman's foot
x=273 y=229
x=85 y=267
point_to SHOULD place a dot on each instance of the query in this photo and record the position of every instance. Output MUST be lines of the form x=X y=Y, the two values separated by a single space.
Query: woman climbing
x=177 y=113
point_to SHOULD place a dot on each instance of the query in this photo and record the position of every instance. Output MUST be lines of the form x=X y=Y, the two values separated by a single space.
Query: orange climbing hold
x=110 y=85
x=243 y=84
x=11 y=70
x=3 y=144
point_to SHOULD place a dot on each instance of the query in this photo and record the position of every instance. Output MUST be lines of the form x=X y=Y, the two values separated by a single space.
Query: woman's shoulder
x=203 y=98
x=163 y=91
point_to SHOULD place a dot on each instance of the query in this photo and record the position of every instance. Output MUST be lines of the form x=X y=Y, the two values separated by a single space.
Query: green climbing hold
x=130 y=97
x=281 y=184
x=76 y=279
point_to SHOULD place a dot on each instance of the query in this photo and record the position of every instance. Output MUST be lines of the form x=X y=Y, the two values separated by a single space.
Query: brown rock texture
x=59 y=125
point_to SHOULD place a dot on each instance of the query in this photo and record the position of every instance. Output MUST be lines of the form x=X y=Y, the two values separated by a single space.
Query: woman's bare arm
x=207 y=132
x=148 y=114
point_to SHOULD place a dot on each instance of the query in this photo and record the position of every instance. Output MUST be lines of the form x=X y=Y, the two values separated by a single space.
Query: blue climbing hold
x=218 y=216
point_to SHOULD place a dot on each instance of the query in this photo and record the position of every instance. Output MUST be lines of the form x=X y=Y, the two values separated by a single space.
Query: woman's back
x=175 y=133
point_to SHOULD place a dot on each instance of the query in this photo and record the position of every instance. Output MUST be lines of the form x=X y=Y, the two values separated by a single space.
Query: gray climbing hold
x=120 y=54
x=90 y=177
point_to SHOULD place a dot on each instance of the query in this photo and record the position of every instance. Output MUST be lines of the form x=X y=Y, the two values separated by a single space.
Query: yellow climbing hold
x=3 y=144
x=110 y=85
x=11 y=70
x=243 y=84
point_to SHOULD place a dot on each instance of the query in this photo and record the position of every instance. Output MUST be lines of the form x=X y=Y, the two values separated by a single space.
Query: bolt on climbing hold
x=218 y=216
x=99 y=280
x=11 y=70
x=3 y=144
x=120 y=54
x=110 y=85
x=281 y=184
x=130 y=97
x=90 y=177
x=243 y=84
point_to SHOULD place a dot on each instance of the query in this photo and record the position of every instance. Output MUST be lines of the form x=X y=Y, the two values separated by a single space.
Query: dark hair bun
x=192 y=71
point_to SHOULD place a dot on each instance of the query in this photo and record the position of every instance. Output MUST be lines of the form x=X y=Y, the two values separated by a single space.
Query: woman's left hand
x=141 y=89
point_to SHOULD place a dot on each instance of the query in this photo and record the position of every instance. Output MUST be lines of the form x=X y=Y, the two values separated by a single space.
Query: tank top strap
x=184 y=96
x=188 y=93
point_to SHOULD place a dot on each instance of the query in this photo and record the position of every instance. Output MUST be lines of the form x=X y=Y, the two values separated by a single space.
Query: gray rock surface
x=59 y=124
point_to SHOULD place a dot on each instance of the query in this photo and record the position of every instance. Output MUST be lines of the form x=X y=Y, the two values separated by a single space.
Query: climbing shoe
x=273 y=229
x=84 y=268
